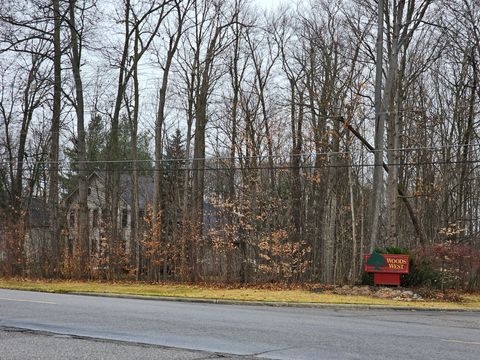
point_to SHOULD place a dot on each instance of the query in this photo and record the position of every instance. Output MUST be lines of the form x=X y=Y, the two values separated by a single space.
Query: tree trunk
x=113 y=169
x=198 y=164
x=53 y=195
x=158 y=177
x=235 y=82
x=377 y=194
x=297 y=141
x=353 y=277
x=392 y=102
x=134 y=252
x=83 y=226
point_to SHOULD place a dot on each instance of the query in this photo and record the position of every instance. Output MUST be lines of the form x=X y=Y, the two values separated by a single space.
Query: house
x=97 y=208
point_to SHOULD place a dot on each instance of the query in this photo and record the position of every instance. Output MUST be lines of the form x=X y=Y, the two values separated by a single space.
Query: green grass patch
x=470 y=301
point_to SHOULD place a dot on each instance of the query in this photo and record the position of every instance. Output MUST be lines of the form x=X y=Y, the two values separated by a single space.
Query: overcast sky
x=268 y=4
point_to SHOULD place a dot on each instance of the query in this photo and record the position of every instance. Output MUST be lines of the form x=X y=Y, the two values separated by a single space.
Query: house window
x=89 y=191
x=124 y=218
x=95 y=218
x=72 y=219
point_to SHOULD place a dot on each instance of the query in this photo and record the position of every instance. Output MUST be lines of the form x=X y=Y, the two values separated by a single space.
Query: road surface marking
x=30 y=301
x=462 y=342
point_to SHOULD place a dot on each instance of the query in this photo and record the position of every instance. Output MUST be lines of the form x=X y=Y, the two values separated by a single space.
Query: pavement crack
x=273 y=350
x=224 y=356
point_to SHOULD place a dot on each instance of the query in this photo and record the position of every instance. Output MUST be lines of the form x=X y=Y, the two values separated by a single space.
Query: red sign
x=386 y=263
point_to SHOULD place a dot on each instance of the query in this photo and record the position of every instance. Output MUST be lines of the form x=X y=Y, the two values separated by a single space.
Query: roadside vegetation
x=308 y=293
x=217 y=141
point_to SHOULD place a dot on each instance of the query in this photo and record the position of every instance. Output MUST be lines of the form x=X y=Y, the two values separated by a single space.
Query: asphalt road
x=18 y=344
x=277 y=333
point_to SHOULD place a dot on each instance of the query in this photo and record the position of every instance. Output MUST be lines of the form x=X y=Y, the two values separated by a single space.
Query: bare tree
x=78 y=103
x=175 y=33
x=377 y=193
x=215 y=44
x=137 y=25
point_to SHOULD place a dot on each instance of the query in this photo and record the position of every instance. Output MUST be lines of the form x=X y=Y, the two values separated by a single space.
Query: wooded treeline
x=280 y=145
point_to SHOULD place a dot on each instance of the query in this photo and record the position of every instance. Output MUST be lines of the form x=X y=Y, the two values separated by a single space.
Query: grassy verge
x=213 y=292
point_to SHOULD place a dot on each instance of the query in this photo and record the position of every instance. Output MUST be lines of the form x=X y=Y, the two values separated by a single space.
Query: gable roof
x=93 y=174
x=145 y=188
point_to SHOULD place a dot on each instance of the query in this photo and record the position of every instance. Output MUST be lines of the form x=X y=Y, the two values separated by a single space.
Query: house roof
x=93 y=174
x=145 y=190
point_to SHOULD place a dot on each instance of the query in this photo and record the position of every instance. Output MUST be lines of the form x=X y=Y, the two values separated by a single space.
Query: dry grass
x=471 y=301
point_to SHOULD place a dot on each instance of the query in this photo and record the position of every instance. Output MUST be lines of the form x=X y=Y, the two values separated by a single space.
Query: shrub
x=457 y=265
x=422 y=271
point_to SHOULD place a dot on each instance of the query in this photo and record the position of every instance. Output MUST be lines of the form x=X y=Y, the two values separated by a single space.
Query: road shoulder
x=20 y=344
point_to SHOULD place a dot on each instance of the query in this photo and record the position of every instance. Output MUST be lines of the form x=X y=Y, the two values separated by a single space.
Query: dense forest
x=255 y=145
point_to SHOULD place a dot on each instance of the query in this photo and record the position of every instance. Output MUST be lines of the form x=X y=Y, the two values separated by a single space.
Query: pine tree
x=376 y=260
x=96 y=141
x=96 y=145
x=174 y=174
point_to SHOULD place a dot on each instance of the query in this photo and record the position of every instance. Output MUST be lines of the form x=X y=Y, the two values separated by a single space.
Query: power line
x=222 y=158
x=277 y=167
